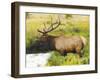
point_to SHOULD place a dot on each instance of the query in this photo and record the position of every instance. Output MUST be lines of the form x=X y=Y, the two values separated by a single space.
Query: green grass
x=74 y=25
x=71 y=59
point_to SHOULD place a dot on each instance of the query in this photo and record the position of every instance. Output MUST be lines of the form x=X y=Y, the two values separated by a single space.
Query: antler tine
x=59 y=19
x=40 y=31
x=43 y=31
x=51 y=27
x=51 y=23
x=44 y=27
x=57 y=23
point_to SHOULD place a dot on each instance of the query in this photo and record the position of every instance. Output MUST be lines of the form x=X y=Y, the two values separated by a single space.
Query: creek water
x=37 y=60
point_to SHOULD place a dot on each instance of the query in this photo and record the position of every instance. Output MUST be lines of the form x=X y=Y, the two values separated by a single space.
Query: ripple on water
x=37 y=60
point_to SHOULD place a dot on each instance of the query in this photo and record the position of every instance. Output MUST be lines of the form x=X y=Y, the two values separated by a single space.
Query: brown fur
x=73 y=44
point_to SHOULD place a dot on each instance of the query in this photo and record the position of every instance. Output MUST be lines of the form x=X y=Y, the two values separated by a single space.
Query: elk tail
x=83 y=40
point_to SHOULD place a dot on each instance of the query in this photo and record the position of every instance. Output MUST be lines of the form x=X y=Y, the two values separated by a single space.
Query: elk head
x=46 y=42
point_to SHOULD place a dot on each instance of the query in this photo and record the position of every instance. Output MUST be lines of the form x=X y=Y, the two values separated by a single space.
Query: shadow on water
x=39 y=47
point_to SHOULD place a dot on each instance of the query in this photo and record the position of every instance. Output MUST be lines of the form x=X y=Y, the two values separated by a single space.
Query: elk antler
x=52 y=26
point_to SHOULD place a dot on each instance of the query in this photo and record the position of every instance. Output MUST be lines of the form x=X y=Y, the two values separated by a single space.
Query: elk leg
x=63 y=52
x=82 y=52
x=78 y=51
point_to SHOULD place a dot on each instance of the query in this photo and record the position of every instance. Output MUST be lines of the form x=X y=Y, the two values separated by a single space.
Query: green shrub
x=70 y=59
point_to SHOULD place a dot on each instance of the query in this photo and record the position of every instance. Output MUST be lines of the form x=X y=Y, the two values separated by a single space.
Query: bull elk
x=62 y=44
